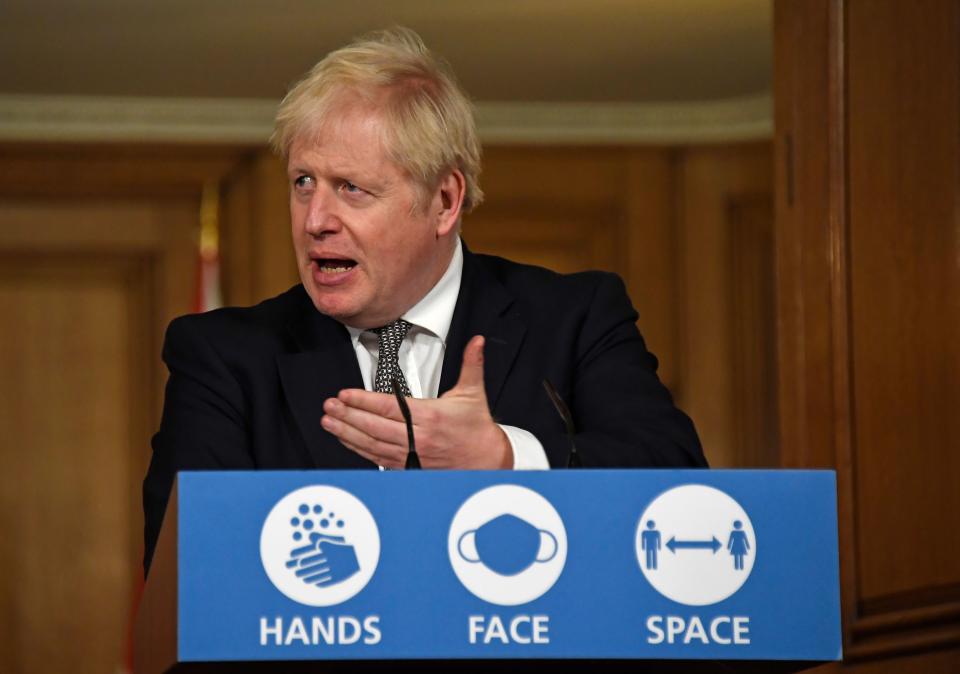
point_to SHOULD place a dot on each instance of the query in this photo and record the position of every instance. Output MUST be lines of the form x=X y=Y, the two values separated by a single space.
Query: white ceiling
x=629 y=51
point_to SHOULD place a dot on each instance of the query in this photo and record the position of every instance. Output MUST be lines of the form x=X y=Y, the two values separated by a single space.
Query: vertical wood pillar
x=867 y=206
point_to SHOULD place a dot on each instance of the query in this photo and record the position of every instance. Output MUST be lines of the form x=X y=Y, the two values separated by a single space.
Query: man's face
x=366 y=250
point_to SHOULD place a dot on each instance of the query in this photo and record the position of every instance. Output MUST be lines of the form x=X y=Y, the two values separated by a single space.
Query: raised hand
x=452 y=431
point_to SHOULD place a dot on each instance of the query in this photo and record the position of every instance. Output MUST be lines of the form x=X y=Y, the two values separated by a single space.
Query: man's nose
x=322 y=214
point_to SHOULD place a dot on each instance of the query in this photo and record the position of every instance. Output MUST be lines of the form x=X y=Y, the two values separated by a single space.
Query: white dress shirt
x=421 y=355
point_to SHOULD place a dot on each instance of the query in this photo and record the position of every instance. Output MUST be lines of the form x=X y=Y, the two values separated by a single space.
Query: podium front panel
x=597 y=564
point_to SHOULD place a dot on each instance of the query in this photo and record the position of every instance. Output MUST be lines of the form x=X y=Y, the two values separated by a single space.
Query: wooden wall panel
x=277 y=270
x=904 y=191
x=753 y=331
x=101 y=170
x=714 y=188
x=652 y=247
x=93 y=265
x=570 y=228
x=869 y=316
x=258 y=259
x=928 y=662
x=68 y=465
x=81 y=285
x=802 y=238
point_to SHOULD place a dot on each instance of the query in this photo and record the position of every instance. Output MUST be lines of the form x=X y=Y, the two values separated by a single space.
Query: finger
x=374 y=425
x=372 y=458
x=379 y=449
x=381 y=404
x=471 y=372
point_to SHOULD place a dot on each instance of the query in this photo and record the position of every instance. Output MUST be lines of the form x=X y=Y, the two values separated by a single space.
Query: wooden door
x=868 y=244
x=93 y=264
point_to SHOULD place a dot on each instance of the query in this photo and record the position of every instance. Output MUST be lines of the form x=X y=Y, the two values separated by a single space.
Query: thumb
x=471 y=372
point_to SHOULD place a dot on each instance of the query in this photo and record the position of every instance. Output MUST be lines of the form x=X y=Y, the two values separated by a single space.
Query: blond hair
x=428 y=123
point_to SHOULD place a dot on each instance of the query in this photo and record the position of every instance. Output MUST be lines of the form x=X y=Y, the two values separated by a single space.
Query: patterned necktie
x=389 y=339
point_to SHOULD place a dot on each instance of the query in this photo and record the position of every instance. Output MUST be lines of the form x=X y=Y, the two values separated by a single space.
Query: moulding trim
x=207 y=120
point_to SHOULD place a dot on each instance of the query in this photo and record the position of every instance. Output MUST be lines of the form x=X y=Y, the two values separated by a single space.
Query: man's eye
x=351 y=188
x=303 y=183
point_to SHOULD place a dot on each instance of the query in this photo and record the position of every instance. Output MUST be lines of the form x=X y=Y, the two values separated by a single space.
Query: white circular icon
x=320 y=545
x=507 y=545
x=695 y=545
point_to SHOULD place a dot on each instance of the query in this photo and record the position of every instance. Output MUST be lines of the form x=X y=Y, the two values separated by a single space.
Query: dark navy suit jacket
x=247 y=385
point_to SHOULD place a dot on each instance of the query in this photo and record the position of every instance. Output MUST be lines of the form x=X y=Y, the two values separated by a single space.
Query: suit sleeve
x=202 y=427
x=624 y=416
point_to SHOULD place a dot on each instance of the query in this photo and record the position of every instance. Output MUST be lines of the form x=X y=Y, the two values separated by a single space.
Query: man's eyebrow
x=357 y=174
x=344 y=171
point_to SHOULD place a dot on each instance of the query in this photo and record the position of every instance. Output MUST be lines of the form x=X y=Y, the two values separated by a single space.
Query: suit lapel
x=483 y=308
x=324 y=364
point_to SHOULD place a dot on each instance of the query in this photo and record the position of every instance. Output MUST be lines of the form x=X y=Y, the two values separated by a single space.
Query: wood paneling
x=904 y=192
x=125 y=171
x=715 y=186
x=652 y=244
x=868 y=239
x=929 y=662
x=66 y=527
x=93 y=265
x=257 y=251
x=753 y=332
x=802 y=192
x=573 y=219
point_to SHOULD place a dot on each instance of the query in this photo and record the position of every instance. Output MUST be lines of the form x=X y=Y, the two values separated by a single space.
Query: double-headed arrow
x=674 y=545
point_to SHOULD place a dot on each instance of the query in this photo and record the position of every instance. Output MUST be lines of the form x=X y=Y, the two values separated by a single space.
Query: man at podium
x=383 y=160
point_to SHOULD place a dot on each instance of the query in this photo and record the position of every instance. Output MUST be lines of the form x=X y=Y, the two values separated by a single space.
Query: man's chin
x=341 y=309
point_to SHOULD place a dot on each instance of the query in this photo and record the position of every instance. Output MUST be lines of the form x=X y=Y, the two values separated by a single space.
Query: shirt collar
x=434 y=312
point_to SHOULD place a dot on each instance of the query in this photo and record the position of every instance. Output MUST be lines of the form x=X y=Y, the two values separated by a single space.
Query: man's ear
x=451 y=190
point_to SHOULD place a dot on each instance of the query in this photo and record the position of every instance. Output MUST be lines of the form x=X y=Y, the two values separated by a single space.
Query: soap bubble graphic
x=326 y=559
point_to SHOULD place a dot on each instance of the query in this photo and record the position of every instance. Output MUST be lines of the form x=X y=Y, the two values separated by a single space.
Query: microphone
x=413 y=461
x=573 y=459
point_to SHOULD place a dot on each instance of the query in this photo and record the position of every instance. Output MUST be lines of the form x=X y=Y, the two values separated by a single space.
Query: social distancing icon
x=695 y=545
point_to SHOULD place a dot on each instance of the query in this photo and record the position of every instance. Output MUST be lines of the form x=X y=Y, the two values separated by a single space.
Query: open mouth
x=334 y=265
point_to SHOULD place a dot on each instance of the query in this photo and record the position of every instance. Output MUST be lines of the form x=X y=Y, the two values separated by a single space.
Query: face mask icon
x=507 y=545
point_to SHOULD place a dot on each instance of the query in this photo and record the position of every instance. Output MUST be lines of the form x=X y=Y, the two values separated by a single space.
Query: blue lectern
x=346 y=569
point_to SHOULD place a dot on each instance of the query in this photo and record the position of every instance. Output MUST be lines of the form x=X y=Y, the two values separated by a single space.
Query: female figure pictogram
x=738 y=544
